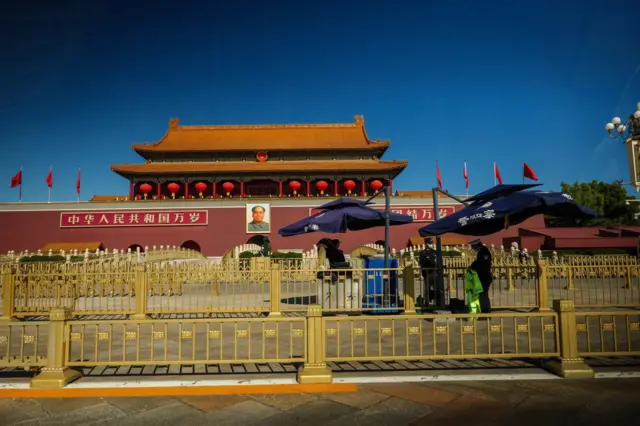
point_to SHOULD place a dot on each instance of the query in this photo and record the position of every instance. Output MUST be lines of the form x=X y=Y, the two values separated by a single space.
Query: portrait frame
x=250 y=226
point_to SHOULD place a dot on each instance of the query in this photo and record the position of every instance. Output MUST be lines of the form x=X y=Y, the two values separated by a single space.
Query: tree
x=609 y=200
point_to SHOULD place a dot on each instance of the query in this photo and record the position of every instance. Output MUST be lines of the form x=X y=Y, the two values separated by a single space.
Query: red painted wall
x=31 y=230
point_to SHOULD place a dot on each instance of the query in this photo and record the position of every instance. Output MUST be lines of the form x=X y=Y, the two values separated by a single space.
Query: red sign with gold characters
x=418 y=213
x=111 y=219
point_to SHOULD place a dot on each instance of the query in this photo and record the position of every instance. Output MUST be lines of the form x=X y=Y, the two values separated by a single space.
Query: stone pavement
x=477 y=403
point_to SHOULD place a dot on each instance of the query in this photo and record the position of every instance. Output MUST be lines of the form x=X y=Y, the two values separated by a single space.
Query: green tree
x=610 y=200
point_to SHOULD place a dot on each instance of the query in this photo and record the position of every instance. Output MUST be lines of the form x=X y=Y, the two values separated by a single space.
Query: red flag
x=496 y=173
x=466 y=176
x=49 y=179
x=528 y=172
x=16 y=180
x=78 y=183
x=438 y=177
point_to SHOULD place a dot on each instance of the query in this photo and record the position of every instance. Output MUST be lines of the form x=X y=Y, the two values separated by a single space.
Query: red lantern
x=173 y=188
x=262 y=157
x=349 y=185
x=200 y=187
x=322 y=186
x=145 y=188
x=376 y=185
x=294 y=185
x=228 y=187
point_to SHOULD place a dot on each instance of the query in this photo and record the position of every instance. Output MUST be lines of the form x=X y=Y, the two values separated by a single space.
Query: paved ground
x=538 y=402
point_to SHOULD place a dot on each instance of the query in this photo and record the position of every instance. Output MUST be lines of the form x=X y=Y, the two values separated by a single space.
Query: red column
x=335 y=187
x=241 y=188
x=215 y=187
x=131 y=185
x=280 y=189
x=364 y=187
x=308 y=188
x=390 y=183
x=159 y=191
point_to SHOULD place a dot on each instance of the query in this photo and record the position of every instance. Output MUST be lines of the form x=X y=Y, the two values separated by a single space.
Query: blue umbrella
x=501 y=191
x=343 y=215
x=499 y=213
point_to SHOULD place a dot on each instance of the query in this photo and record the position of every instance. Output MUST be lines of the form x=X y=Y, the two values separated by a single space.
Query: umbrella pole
x=387 y=231
x=387 y=225
x=440 y=299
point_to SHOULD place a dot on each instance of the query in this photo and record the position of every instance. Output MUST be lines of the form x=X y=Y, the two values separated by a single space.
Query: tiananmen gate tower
x=212 y=188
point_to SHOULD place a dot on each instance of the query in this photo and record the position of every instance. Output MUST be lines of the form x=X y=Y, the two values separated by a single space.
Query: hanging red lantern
x=200 y=187
x=349 y=185
x=322 y=186
x=173 y=188
x=376 y=185
x=294 y=185
x=145 y=188
x=228 y=187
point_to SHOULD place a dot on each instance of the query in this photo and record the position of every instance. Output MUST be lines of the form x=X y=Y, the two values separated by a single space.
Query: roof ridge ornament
x=173 y=123
x=359 y=120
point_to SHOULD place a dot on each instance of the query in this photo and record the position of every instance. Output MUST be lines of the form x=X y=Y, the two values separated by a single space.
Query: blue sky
x=448 y=81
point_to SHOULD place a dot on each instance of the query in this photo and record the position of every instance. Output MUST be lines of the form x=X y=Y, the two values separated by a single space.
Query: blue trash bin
x=373 y=299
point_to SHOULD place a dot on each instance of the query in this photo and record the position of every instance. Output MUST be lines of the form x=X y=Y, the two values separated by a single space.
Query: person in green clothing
x=482 y=266
x=473 y=290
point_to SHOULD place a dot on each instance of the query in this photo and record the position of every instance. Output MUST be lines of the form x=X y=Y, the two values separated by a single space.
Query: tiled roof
x=257 y=167
x=263 y=138
x=69 y=246
x=109 y=198
x=418 y=194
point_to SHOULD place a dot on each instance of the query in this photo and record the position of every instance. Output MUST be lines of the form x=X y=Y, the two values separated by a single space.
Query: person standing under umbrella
x=482 y=266
x=429 y=268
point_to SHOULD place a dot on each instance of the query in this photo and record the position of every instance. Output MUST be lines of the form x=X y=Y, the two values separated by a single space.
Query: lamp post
x=628 y=129
x=629 y=133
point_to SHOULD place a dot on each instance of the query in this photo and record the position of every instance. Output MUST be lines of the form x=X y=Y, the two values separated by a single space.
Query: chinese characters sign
x=100 y=219
x=418 y=213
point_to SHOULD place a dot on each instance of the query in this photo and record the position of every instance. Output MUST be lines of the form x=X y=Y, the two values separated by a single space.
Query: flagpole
x=466 y=177
x=523 y=172
x=50 y=170
x=77 y=184
x=20 y=189
x=495 y=178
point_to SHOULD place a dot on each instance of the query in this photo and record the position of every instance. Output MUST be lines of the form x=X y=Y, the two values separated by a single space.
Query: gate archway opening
x=257 y=239
x=134 y=248
x=191 y=245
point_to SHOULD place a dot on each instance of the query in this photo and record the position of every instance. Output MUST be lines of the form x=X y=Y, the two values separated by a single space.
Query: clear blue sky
x=449 y=80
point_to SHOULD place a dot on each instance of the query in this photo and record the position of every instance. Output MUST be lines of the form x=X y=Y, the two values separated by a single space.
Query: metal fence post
x=409 y=289
x=315 y=369
x=542 y=272
x=56 y=375
x=569 y=365
x=275 y=290
x=142 y=292
x=8 y=287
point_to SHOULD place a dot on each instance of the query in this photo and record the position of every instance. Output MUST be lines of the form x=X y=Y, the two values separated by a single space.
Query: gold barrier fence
x=62 y=346
x=608 y=333
x=594 y=286
x=168 y=288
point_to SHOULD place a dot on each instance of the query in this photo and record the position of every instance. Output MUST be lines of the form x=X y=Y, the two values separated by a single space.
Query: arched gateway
x=191 y=245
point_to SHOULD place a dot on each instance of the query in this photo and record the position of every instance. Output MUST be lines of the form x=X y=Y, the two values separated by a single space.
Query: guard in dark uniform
x=482 y=265
x=429 y=269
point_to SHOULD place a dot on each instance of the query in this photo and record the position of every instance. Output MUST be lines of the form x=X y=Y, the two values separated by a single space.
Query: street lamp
x=629 y=132
x=628 y=129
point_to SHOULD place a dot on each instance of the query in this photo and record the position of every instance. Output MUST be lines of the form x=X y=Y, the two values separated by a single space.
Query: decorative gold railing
x=608 y=333
x=202 y=287
x=197 y=341
x=561 y=335
x=411 y=337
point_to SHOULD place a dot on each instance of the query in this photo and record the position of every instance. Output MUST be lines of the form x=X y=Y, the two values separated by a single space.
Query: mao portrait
x=258 y=218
